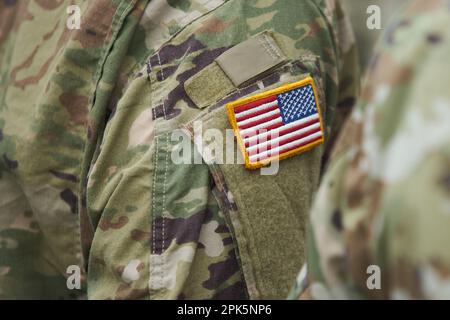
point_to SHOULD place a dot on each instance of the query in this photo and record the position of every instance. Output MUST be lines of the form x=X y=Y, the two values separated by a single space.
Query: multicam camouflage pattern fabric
x=385 y=199
x=85 y=123
x=44 y=93
x=184 y=248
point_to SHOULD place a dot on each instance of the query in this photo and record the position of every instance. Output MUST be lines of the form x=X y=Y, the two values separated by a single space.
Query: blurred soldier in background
x=86 y=119
x=380 y=224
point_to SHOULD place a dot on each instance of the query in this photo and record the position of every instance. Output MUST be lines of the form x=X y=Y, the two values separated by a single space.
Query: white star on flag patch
x=277 y=124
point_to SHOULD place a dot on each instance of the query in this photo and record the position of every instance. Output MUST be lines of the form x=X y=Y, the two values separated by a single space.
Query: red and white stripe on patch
x=277 y=124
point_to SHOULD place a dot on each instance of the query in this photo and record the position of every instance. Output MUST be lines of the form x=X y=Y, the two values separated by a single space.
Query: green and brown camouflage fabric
x=383 y=208
x=86 y=124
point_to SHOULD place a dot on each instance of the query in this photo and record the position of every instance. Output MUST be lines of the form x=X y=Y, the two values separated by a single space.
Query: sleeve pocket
x=266 y=214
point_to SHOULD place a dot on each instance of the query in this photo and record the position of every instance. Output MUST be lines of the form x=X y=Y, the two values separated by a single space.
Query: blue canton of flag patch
x=297 y=104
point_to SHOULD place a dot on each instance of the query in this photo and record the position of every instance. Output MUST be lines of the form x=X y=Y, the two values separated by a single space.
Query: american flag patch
x=277 y=124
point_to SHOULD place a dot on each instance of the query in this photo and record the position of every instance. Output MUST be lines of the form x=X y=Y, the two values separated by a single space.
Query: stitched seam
x=162 y=213
x=272 y=46
x=154 y=197
x=149 y=71
x=162 y=79
x=152 y=216
x=269 y=47
x=164 y=184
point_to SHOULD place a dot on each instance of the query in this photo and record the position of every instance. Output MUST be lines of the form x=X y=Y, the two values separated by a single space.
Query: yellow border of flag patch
x=231 y=116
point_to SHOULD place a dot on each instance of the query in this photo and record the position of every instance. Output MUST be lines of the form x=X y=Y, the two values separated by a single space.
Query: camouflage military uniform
x=86 y=120
x=383 y=208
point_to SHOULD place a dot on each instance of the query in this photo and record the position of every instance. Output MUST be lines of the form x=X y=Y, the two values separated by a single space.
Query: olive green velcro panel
x=251 y=58
x=270 y=213
x=235 y=67
x=208 y=86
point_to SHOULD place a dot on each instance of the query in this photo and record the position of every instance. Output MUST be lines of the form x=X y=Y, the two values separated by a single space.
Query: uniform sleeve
x=348 y=70
x=211 y=229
